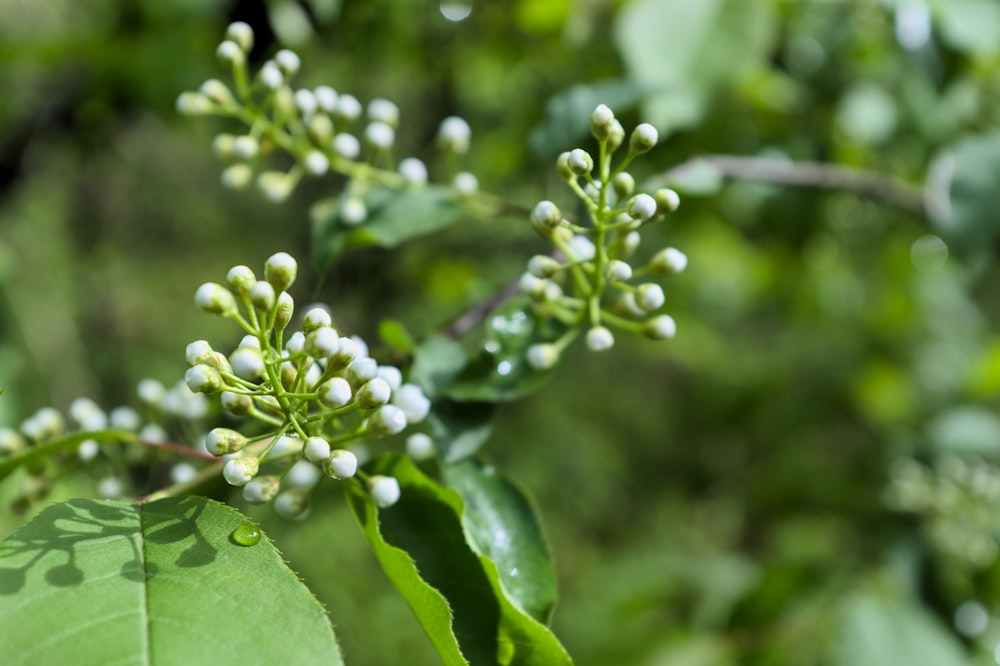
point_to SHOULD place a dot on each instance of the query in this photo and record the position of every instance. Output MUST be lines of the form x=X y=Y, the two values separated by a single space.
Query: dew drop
x=246 y=534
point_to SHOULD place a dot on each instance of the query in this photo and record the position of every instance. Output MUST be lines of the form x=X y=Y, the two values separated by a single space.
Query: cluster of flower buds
x=316 y=389
x=591 y=260
x=320 y=128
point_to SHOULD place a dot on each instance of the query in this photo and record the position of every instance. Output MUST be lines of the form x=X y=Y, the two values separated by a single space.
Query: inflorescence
x=590 y=258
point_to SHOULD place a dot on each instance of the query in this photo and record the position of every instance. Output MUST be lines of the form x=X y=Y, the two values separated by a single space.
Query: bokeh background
x=807 y=474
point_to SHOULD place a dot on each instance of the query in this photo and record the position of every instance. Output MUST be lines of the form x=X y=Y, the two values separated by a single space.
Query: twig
x=877 y=187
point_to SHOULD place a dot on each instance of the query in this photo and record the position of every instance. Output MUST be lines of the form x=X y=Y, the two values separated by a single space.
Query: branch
x=883 y=189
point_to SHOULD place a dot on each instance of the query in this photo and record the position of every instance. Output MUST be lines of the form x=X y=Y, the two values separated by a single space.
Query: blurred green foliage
x=730 y=497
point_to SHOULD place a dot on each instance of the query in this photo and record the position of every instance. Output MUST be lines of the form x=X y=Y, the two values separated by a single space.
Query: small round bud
x=660 y=327
x=323 y=342
x=616 y=136
x=542 y=356
x=465 y=183
x=215 y=299
x=315 y=163
x=305 y=102
x=87 y=450
x=348 y=350
x=262 y=295
x=193 y=104
x=326 y=98
x=379 y=135
x=373 y=393
x=390 y=375
x=284 y=310
x=667 y=201
x=110 y=488
x=623 y=184
x=230 y=54
x=292 y=504
x=245 y=147
x=542 y=266
x=240 y=471
x=196 y=352
x=342 y=464
x=387 y=419
x=353 y=212
x=150 y=392
x=237 y=177
x=124 y=418
x=248 y=363
x=618 y=271
x=668 y=261
x=88 y=414
x=280 y=270
x=600 y=122
x=643 y=138
x=580 y=162
x=384 y=490
x=346 y=145
x=641 y=207
x=270 y=75
x=529 y=285
x=241 y=33
x=420 y=446
x=348 y=109
x=411 y=399
x=321 y=128
x=454 y=135
x=241 y=279
x=335 y=393
x=222 y=146
x=317 y=449
x=182 y=473
x=217 y=91
x=222 y=441
x=236 y=403
x=562 y=166
x=361 y=370
x=384 y=111
x=316 y=318
x=582 y=247
x=545 y=215
x=276 y=186
x=414 y=171
x=288 y=61
x=649 y=296
x=262 y=489
x=203 y=379
x=600 y=338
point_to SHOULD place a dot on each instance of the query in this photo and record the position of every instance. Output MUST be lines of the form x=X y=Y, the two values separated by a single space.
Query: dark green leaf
x=394 y=333
x=460 y=428
x=102 y=582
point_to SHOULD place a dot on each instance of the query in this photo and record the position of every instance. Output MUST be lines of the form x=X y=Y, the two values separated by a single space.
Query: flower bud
x=335 y=393
x=11 y=443
x=641 y=207
x=223 y=145
x=292 y=504
x=390 y=375
x=420 y=446
x=660 y=327
x=542 y=356
x=384 y=490
x=668 y=261
x=305 y=102
x=317 y=449
x=346 y=145
x=465 y=183
x=237 y=177
x=124 y=418
x=411 y=399
x=580 y=162
x=270 y=75
x=667 y=201
x=240 y=471
x=221 y=441
x=542 y=266
x=649 y=296
x=262 y=489
x=203 y=379
x=348 y=109
x=216 y=90
x=342 y=464
x=280 y=270
x=414 y=171
x=262 y=295
x=241 y=33
x=288 y=61
x=240 y=279
x=326 y=98
x=361 y=370
x=276 y=186
x=322 y=342
x=600 y=122
x=284 y=311
x=315 y=163
x=616 y=136
x=379 y=136
x=545 y=216
x=193 y=104
x=643 y=138
x=373 y=393
x=321 y=128
x=150 y=392
x=384 y=111
x=316 y=318
x=454 y=135
x=617 y=271
x=215 y=299
x=248 y=363
x=582 y=247
x=230 y=54
x=236 y=403
x=387 y=419
x=353 y=212
x=562 y=166
x=623 y=184
x=599 y=338
x=197 y=352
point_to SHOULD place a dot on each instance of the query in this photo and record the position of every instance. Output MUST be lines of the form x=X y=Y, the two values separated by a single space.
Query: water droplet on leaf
x=247 y=534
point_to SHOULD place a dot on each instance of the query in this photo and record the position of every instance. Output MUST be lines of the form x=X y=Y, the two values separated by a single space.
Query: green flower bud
x=220 y=441
x=215 y=299
x=623 y=184
x=667 y=201
x=280 y=270
x=601 y=121
x=643 y=138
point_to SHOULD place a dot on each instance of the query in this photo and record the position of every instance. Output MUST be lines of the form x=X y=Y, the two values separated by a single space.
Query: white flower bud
x=248 y=363
x=542 y=356
x=230 y=54
x=203 y=379
x=643 y=138
x=262 y=489
x=668 y=261
x=221 y=441
x=615 y=136
x=545 y=214
x=649 y=296
x=270 y=75
x=323 y=342
x=582 y=247
x=153 y=432
x=465 y=183
x=347 y=351
x=222 y=146
x=580 y=162
x=240 y=471
x=296 y=343
x=303 y=474
x=11 y=443
x=196 y=352
x=342 y=464
x=384 y=490
x=380 y=136
x=317 y=449
x=292 y=504
x=353 y=212
x=280 y=270
x=182 y=473
x=215 y=299
x=288 y=61
x=326 y=98
x=618 y=271
x=315 y=318
x=236 y=403
x=414 y=171
x=660 y=327
x=87 y=450
x=390 y=375
x=361 y=370
x=420 y=446
x=348 y=108
x=276 y=186
x=641 y=207
x=321 y=128
x=600 y=122
x=216 y=90
x=386 y=420
x=262 y=295
x=236 y=176
x=150 y=391
x=454 y=135
x=305 y=102
x=245 y=147
x=241 y=278
x=241 y=33
x=382 y=110
x=599 y=338
x=315 y=163
x=124 y=418
x=335 y=393
x=623 y=185
x=667 y=201
x=542 y=266
x=109 y=488
x=411 y=399
x=284 y=310
x=373 y=393
x=87 y=414
x=346 y=145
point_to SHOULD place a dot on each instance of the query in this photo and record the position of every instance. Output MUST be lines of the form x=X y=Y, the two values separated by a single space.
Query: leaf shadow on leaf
x=68 y=526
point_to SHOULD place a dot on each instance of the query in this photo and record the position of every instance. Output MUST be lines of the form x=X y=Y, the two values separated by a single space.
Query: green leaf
x=102 y=582
x=436 y=363
x=455 y=592
x=393 y=219
x=691 y=50
x=969 y=26
x=459 y=429
x=503 y=526
x=394 y=333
